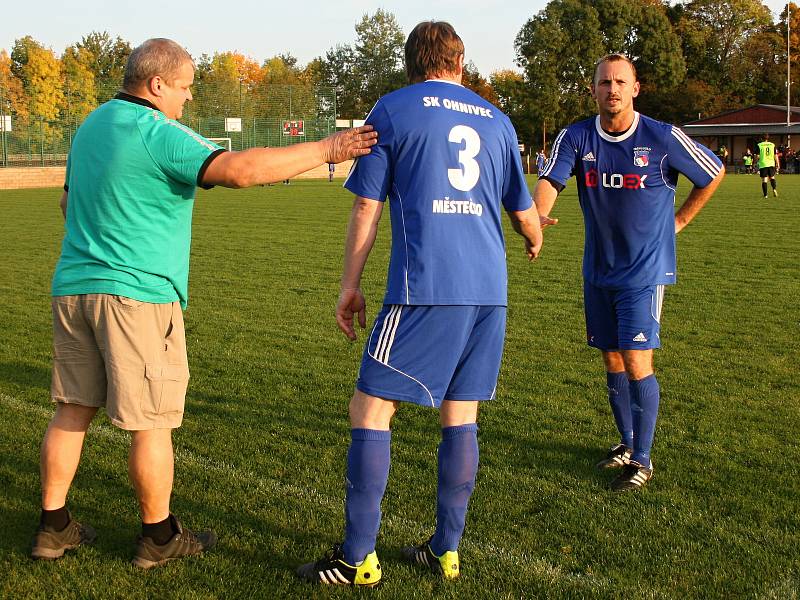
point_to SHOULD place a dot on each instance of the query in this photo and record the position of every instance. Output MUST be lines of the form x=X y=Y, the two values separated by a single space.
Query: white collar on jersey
x=618 y=138
x=444 y=81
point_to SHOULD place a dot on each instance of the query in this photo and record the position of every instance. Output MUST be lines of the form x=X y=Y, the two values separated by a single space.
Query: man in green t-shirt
x=122 y=281
x=747 y=161
x=768 y=165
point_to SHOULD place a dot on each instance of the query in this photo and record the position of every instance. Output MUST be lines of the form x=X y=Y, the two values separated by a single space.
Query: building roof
x=752 y=120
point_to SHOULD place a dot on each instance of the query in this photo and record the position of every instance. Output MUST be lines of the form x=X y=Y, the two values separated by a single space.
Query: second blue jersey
x=448 y=160
x=626 y=188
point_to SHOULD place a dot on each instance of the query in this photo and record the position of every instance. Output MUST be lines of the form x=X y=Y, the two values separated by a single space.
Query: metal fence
x=30 y=141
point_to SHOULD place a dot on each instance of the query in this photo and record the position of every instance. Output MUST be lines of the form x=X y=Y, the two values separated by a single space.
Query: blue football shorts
x=427 y=354
x=627 y=319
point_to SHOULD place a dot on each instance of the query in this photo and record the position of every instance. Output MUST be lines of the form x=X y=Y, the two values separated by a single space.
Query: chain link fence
x=261 y=113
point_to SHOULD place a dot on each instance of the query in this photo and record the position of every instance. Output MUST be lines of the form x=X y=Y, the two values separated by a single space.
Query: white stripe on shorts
x=656 y=302
x=386 y=339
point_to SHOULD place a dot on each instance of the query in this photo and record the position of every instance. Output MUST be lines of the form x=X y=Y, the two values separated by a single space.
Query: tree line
x=694 y=58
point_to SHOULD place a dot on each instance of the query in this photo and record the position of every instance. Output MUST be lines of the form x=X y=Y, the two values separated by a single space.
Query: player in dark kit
x=626 y=166
x=449 y=163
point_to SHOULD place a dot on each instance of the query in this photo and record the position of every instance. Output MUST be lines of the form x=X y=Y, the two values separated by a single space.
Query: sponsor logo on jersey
x=630 y=181
x=457 y=207
x=589 y=157
x=641 y=156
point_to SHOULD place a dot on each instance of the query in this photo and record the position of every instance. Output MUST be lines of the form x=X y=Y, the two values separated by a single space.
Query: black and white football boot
x=618 y=456
x=633 y=477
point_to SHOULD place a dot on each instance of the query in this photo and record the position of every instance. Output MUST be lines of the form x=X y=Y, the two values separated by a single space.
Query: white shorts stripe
x=657 y=302
x=384 y=330
x=390 y=341
x=390 y=324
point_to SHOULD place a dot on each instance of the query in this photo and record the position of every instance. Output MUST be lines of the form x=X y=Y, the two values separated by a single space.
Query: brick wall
x=42 y=177
x=31 y=177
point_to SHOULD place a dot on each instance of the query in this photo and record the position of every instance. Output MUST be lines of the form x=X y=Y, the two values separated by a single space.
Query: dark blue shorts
x=623 y=319
x=427 y=354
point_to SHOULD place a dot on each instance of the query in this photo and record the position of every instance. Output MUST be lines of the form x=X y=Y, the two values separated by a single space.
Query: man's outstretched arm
x=268 y=165
x=544 y=197
x=361 y=233
x=526 y=223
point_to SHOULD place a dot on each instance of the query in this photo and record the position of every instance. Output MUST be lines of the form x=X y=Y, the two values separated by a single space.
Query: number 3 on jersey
x=467 y=176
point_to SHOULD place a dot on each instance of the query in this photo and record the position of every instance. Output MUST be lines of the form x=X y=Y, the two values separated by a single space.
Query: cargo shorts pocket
x=126 y=302
x=165 y=389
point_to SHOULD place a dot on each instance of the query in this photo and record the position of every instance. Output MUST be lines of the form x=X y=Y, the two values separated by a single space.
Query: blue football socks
x=367 y=472
x=458 y=465
x=644 y=406
x=620 y=400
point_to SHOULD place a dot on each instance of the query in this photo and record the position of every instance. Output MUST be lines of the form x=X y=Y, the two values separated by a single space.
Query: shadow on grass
x=24 y=374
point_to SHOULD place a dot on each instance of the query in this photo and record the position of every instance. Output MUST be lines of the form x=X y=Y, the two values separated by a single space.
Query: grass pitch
x=261 y=455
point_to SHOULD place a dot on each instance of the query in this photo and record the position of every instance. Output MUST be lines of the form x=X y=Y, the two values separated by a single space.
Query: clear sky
x=261 y=29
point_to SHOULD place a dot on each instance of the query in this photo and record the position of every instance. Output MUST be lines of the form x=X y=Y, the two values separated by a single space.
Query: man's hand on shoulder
x=348 y=144
x=351 y=301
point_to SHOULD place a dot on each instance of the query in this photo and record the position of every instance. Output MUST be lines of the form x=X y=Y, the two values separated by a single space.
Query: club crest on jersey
x=641 y=157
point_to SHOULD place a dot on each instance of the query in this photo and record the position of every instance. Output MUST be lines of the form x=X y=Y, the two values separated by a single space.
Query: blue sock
x=644 y=406
x=458 y=465
x=620 y=400
x=367 y=473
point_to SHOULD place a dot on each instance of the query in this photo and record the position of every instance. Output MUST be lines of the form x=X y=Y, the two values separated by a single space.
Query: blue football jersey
x=446 y=158
x=626 y=188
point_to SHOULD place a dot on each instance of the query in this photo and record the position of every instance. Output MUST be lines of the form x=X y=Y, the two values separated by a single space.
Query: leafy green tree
x=378 y=57
x=557 y=50
x=514 y=100
x=338 y=71
x=365 y=71
x=110 y=56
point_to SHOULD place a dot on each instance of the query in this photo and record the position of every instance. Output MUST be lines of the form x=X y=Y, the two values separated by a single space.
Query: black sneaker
x=332 y=570
x=633 y=477
x=183 y=543
x=447 y=565
x=49 y=544
x=618 y=456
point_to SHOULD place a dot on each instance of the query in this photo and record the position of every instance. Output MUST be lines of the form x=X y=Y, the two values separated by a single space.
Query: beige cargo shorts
x=122 y=354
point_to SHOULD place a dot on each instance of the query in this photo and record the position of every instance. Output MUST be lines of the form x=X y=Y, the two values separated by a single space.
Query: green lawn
x=260 y=457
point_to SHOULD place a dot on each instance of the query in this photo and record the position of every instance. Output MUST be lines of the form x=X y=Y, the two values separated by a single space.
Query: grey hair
x=156 y=56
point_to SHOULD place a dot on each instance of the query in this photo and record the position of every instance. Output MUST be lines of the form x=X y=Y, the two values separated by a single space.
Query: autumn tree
x=80 y=91
x=12 y=93
x=40 y=73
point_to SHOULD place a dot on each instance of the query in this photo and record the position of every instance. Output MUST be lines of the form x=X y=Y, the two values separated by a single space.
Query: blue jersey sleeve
x=561 y=165
x=693 y=160
x=371 y=174
x=516 y=196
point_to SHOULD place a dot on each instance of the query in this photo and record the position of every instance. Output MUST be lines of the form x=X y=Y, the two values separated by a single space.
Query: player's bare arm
x=544 y=198
x=361 y=234
x=63 y=204
x=695 y=201
x=526 y=224
x=268 y=165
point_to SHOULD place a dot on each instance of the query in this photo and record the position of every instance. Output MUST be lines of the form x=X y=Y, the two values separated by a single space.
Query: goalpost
x=224 y=142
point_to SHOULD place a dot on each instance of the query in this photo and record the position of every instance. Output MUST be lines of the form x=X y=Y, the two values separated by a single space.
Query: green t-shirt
x=766 y=154
x=747 y=159
x=131 y=180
